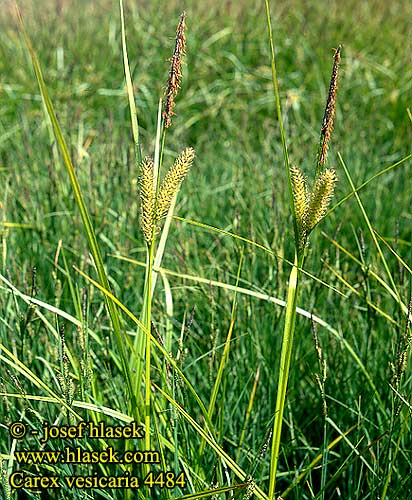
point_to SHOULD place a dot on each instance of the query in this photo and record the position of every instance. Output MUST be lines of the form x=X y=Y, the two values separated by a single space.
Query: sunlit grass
x=218 y=305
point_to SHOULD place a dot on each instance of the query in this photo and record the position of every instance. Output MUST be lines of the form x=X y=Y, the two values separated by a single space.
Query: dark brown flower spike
x=175 y=74
x=327 y=123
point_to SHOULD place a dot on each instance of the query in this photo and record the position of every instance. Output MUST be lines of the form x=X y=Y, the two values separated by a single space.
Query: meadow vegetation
x=217 y=310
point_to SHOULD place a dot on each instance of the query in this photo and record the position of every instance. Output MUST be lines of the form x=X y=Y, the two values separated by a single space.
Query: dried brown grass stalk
x=175 y=74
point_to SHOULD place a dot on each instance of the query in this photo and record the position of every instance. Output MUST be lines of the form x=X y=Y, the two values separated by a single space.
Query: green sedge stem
x=285 y=358
x=148 y=345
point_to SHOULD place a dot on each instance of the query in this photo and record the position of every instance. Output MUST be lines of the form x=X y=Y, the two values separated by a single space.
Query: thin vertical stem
x=148 y=326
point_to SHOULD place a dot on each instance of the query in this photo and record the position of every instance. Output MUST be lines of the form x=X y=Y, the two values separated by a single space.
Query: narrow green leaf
x=91 y=236
x=129 y=86
x=371 y=230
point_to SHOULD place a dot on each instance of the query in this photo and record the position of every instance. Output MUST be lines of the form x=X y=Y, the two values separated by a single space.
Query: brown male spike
x=175 y=74
x=328 y=117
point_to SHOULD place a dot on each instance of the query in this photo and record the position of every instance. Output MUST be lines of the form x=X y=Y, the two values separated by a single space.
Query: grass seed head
x=300 y=198
x=175 y=74
x=250 y=489
x=328 y=117
x=147 y=198
x=66 y=382
x=320 y=197
x=172 y=181
x=400 y=364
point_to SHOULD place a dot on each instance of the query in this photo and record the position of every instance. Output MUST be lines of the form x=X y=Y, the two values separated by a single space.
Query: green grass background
x=226 y=111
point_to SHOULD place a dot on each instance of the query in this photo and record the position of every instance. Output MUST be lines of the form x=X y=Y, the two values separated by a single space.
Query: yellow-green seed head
x=172 y=181
x=300 y=201
x=320 y=197
x=147 y=198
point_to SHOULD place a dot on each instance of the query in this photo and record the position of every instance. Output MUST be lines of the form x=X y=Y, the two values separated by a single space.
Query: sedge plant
x=308 y=207
x=156 y=202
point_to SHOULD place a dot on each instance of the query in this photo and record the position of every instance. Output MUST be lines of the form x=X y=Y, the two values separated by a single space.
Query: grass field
x=218 y=309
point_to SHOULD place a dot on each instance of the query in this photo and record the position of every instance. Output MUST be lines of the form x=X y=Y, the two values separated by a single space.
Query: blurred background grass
x=225 y=110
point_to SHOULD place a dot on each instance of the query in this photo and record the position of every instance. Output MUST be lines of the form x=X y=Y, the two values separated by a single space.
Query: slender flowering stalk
x=308 y=208
x=328 y=117
x=175 y=74
x=153 y=206
x=399 y=368
x=155 y=203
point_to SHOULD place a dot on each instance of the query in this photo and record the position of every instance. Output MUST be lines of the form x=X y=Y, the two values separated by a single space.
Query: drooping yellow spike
x=147 y=198
x=172 y=181
x=320 y=197
x=300 y=197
